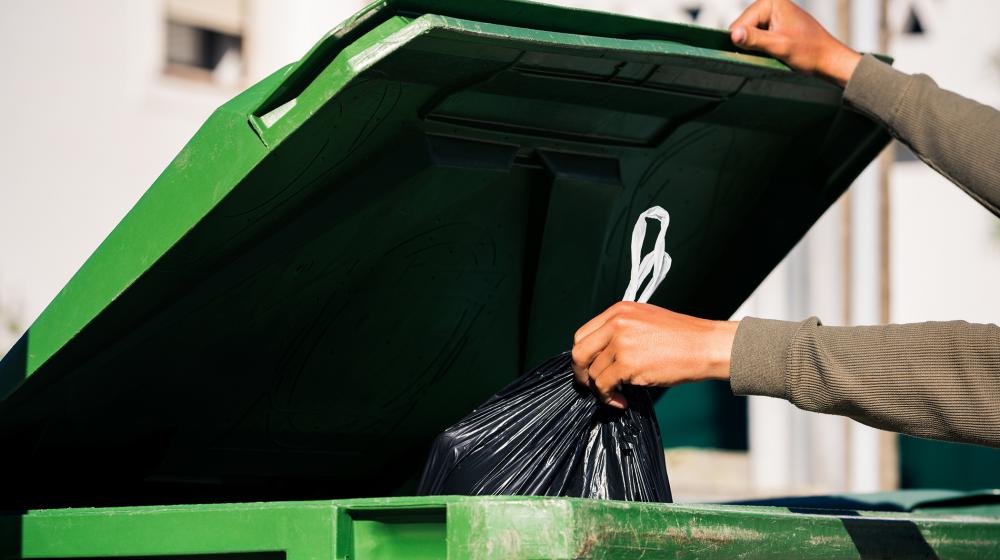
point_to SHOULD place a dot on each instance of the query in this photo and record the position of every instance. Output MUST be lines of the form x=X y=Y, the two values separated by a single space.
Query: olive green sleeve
x=957 y=136
x=937 y=380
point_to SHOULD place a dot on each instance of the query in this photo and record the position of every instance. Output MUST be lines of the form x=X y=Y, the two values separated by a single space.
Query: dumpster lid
x=357 y=250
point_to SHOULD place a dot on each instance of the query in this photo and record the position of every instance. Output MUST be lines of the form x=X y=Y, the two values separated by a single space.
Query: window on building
x=204 y=40
x=913 y=24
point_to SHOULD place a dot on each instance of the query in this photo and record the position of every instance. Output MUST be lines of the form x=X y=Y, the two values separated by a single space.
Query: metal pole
x=888 y=441
x=844 y=34
x=866 y=263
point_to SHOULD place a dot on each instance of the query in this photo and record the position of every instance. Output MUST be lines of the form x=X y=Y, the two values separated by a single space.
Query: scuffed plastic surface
x=544 y=435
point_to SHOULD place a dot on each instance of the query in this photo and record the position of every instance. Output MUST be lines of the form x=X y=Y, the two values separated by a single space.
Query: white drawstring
x=656 y=264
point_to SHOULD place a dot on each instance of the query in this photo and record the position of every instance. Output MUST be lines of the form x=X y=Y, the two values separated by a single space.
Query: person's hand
x=641 y=344
x=785 y=31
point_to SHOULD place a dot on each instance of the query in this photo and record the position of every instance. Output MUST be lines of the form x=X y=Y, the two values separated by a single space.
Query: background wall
x=93 y=114
x=100 y=95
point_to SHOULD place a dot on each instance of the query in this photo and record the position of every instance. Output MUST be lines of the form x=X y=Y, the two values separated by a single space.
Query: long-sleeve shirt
x=938 y=380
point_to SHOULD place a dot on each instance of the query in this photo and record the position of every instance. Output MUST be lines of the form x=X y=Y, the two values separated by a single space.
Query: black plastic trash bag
x=544 y=435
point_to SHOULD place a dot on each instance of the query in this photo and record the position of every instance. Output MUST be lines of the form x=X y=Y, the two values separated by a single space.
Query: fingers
x=755 y=16
x=596 y=323
x=607 y=386
x=605 y=380
x=760 y=40
x=601 y=363
x=752 y=30
x=584 y=354
x=587 y=349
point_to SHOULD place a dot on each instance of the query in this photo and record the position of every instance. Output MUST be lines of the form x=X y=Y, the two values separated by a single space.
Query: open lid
x=359 y=249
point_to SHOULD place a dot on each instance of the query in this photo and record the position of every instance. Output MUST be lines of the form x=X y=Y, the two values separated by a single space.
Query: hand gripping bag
x=543 y=435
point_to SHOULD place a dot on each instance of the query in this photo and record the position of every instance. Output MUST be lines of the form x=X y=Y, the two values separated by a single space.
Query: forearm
x=956 y=136
x=935 y=380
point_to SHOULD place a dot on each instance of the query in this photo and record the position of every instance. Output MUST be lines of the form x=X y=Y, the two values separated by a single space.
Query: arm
x=938 y=380
x=935 y=380
x=954 y=135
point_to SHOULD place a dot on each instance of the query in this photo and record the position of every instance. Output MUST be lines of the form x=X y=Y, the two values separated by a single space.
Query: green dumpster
x=491 y=527
x=356 y=251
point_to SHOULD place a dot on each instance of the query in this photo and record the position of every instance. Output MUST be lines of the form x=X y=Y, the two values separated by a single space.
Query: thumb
x=756 y=39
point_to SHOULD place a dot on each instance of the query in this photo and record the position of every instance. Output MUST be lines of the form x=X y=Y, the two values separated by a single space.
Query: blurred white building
x=99 y=96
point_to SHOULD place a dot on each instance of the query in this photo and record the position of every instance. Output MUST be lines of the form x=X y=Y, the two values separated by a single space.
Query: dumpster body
x=495 y=527
x=356 y=251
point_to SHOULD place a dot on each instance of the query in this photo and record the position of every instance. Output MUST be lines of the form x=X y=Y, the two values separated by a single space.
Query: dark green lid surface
x=359 y=249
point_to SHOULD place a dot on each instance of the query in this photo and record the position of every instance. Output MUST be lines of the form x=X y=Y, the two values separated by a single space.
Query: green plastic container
x=499 y=528
x=353 y=253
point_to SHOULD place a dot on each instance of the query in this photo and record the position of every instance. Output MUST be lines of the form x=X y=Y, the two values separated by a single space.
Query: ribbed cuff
x=757 y=364
x=876 y=89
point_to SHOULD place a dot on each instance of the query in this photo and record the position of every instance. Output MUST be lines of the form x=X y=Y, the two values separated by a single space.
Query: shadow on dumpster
x=872 y=536
x=878 y=537
x=13 y=367
x=810 y=504
x=887 y=538
x=10 y=534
